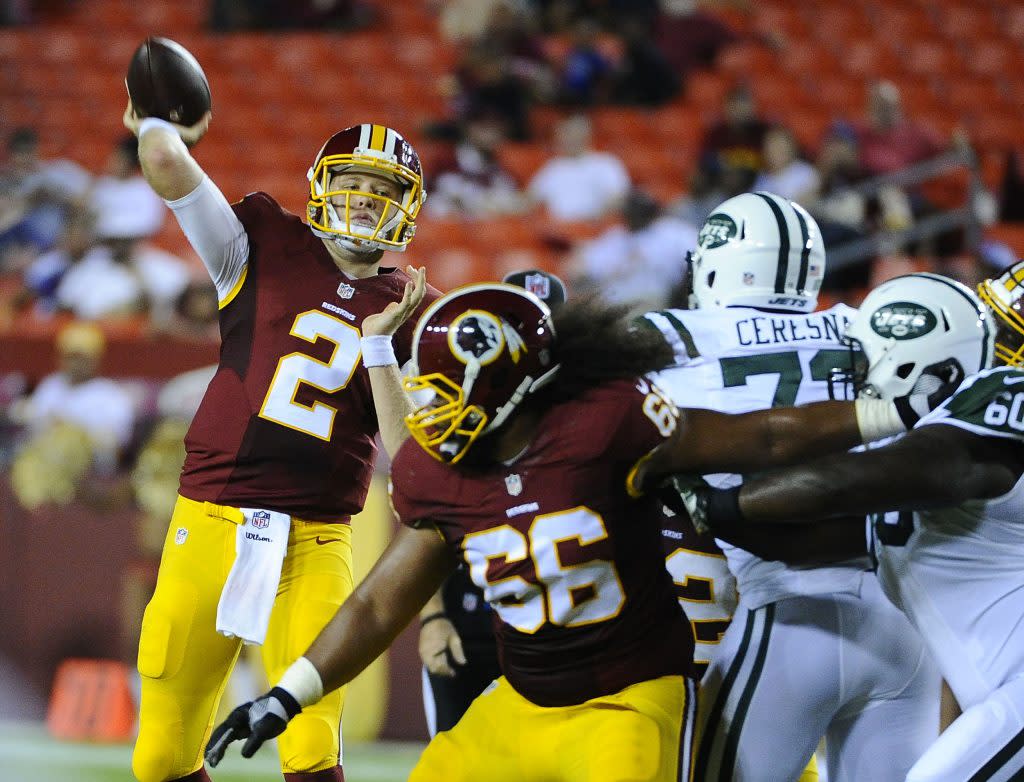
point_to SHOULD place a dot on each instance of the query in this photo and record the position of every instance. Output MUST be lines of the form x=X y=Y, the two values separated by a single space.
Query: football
x=164 y=80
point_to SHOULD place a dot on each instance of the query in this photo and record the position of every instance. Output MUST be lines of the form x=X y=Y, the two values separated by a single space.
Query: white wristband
x=303 y=682
x=877 y=418
x=151 y=123
x=377 y=351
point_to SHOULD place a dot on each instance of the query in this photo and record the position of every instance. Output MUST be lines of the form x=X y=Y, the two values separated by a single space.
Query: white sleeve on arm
x=216 y=234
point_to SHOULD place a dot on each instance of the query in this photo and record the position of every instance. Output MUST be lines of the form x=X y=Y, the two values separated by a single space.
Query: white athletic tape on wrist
x=151 y=123
x=303 y=681
x=877 y=418
x=378 y=351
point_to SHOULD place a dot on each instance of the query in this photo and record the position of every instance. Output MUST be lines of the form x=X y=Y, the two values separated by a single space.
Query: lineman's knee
x=153 y=761
x=309 y=744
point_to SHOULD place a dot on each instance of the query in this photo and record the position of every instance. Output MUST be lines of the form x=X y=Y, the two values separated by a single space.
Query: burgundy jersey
x=572 y=564
x=288 y=421
x=705 y=586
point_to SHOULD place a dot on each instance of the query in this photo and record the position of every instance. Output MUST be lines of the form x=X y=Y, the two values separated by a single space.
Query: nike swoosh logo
x=324 y=541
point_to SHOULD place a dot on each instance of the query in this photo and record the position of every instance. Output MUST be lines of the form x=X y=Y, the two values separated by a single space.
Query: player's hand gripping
x=440 y=646
x=390 y=319
x=687 y=496
x=190 y=135
x=256 y=722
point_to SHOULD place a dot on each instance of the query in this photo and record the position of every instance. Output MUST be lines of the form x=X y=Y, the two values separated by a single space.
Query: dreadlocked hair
x=597 y=343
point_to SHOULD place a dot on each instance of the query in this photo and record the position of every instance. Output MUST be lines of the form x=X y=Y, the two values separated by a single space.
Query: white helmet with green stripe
x=921 y=335
x=758 y=250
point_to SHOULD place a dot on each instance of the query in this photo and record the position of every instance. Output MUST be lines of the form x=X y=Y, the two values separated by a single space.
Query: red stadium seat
x=869 y=58
x=808 y=56
x=743 y=60
x=783 y=19
x=992 y=58
x=839 y=94
x=970 y=22
x=933 y=57
x=1010 y=234
x=706 y=89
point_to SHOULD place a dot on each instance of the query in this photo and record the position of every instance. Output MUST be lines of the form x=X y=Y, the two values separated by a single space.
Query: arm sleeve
x=216 y=234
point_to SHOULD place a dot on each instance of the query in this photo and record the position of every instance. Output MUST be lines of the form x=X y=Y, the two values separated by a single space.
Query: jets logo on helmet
x=374 y=149
x=902 y=320
x=1005 y=297
x=916 y=334
x=758 y=250
x=717 y=230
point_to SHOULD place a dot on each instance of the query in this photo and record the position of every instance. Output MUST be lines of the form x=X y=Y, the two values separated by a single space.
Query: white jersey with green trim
x=740 y=359
x=958 y=573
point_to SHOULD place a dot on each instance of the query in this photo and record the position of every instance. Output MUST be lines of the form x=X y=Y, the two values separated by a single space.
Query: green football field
x=28 y=754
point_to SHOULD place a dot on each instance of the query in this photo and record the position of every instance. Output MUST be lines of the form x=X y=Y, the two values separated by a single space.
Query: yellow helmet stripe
x=377 y=137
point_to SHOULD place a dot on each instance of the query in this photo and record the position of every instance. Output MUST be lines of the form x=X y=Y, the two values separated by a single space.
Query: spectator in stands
x=124 y=203
x=42 y=277
x=467 y=21
x=639 y=262
x=122 y=276
x=484 y=82
x=730 y=153
x=14 y=12
x=227 y=15
x=195 y=313
x=578 y=183
x=1011 y=190
x=77 y=396
x=585 y=74
x=18 y=239
x=887 y=141
x=689 y=37
x=473 y=183
x=48 y=188
x=644 y=75
x=785 y=173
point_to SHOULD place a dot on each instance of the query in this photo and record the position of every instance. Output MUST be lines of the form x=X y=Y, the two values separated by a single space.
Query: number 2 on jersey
x=569 y=595
x=296 y=369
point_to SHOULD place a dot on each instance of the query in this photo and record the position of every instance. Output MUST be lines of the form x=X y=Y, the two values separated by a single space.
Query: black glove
x=692 y=497
x=935 y=384
x=256 y=722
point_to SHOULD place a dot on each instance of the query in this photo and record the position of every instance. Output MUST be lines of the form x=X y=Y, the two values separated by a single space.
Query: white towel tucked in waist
x=249 y=592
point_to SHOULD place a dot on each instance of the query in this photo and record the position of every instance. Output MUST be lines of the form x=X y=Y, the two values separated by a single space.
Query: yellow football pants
x=637 y=735
x=185 y=663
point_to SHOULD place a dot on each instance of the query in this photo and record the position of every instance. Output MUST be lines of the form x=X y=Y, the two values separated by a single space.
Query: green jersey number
x=786 y=365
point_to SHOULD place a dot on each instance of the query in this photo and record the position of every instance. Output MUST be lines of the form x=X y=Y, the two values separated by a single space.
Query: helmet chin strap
x=362 y=246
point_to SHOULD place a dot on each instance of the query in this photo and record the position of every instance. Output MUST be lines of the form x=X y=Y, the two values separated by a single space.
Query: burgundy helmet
x=375 y=149
x=479 y=351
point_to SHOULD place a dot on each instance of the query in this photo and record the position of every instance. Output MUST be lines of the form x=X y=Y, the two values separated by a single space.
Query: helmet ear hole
x=711 y=279
x=904 y=370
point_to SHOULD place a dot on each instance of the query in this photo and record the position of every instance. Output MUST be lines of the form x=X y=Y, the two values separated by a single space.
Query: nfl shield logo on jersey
x=346 y=291
x=514 y=484
x=260 y=519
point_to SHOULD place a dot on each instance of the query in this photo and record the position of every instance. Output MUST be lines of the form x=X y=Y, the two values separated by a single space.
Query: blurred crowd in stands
x=75 y=244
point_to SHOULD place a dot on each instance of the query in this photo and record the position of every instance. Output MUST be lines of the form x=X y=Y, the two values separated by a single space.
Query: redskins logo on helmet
x=1004 y=295
x=375 y=149
x=478 y=352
